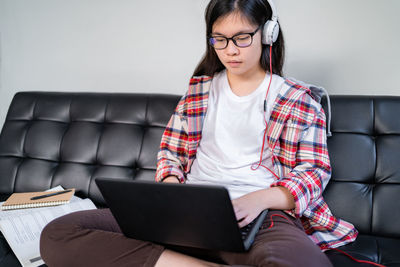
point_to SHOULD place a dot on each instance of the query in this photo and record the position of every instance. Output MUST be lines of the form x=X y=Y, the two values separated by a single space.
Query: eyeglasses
x=240 y=40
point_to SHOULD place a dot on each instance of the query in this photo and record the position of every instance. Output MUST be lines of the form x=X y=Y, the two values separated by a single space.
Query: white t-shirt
x=232 y=138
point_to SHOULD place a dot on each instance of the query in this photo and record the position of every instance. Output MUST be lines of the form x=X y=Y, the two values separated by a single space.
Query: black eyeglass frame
x=232 y=39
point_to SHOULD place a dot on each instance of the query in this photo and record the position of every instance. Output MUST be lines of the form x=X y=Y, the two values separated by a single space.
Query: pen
x=51 y=194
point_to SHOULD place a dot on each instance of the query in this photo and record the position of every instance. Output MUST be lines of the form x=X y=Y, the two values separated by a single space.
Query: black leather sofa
x=72 y=138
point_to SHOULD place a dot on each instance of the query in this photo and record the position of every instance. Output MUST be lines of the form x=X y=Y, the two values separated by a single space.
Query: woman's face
x=238 y=61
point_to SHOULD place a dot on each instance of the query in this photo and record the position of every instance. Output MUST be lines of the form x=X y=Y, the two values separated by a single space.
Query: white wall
x=347 y=46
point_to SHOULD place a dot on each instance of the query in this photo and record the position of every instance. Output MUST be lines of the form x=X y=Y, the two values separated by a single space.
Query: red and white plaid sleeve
x=311 y=171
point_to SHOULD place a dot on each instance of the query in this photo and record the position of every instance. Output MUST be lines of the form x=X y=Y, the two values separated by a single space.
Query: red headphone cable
x=259 y=164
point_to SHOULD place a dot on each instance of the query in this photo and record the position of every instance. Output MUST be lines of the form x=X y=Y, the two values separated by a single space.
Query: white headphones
x=271 y=27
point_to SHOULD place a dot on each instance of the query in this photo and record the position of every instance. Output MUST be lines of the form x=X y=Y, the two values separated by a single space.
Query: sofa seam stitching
x=141 y=143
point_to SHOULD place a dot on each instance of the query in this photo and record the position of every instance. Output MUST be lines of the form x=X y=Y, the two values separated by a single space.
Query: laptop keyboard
x=246 y=230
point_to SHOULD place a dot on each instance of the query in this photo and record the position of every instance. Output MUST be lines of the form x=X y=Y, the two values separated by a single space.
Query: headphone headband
x=274 y=16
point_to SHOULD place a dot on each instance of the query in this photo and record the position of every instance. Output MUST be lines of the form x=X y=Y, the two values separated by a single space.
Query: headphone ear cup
x=270 y=32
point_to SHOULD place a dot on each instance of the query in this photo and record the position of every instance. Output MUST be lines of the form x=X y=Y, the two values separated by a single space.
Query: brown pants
x=93 y=238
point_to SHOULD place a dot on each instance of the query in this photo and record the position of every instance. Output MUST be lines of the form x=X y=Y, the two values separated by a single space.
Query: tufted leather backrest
x=365 y=158
x=70 y=139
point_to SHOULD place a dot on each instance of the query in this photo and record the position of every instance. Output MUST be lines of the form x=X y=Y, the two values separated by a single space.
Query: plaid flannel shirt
x=296 y=135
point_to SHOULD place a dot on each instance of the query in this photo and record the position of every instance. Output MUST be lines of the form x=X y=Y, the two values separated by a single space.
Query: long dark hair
x=257 y=12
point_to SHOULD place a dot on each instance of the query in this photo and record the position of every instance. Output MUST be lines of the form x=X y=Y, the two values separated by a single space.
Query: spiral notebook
x=49 y=198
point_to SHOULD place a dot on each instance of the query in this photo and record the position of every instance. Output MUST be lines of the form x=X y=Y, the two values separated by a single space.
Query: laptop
x=198 y=216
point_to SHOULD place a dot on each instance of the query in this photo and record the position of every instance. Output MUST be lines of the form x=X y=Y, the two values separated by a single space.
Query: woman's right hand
x=171 y=179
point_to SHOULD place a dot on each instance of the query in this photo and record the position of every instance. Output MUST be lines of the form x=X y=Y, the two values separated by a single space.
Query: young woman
x=243 y=126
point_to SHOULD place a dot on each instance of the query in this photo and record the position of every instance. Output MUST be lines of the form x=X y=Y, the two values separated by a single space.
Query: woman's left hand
x=248 y=207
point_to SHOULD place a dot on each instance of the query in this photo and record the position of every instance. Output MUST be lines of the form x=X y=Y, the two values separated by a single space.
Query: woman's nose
x=231 y=49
